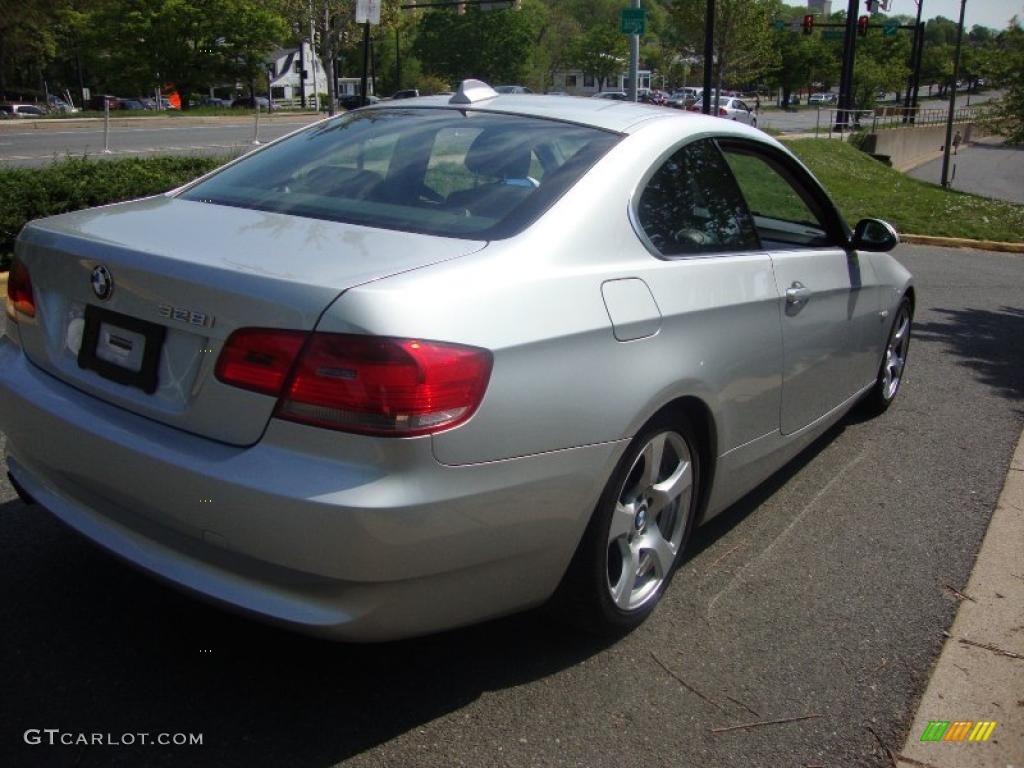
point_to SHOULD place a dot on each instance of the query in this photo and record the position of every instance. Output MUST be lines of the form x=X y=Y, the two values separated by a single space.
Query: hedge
x=77 y=182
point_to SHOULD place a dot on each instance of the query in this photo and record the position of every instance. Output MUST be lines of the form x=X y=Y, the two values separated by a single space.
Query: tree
x=149 y=43
x=494 y=46
x=743 y=43
x=1008 y=112
x=601 y=53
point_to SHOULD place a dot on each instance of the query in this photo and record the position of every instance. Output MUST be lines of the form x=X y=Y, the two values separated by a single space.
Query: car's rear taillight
x=385 y=386
x=367 y=384
x=722 y=112
x=19 y=292
x=259 y=358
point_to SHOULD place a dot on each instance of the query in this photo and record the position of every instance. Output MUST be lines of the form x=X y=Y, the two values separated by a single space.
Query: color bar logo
x=958 y=730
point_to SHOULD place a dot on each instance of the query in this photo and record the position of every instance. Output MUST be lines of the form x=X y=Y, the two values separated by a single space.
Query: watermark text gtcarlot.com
x=55 y=736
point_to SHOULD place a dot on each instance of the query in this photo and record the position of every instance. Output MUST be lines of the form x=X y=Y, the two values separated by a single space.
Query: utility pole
x=709 y=53
x=915 y=58
x=314 y=57
x=302 y=71
x=366 y=62
x=846 y=77
x=952 y=96
x=634 y=60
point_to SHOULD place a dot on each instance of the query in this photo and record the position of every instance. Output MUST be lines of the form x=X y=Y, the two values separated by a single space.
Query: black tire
x=585 y=596
x=882 y=394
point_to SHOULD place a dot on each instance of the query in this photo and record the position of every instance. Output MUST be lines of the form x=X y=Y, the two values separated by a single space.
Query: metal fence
x=890 y=117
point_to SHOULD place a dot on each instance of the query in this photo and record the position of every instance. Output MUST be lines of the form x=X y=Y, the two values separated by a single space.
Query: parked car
x=731 y=109
x=429 y=403
x=355 y=101
x=653 y=96
x=250 y=102
x=213 y=101
x=506 y=89
x=97 y=103
x=21 y=110
x=822 y=99
x=614 y=95
x=57 y=104
x=406 y=93
x=133 y=104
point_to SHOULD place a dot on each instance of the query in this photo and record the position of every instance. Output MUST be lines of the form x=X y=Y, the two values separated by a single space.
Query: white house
x=575 y=82
x=285 y=67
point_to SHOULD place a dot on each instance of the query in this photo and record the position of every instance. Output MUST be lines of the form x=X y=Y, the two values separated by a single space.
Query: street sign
x=833 y=34
x=368 y=11
x=779 y=24
x=890 y=28
x=633 y=21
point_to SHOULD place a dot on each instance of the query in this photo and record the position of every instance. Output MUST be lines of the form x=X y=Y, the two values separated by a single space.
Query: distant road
x=32 y=146
x=987 y=168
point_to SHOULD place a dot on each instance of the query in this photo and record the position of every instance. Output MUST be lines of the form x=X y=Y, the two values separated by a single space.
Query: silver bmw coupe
x=433 y=362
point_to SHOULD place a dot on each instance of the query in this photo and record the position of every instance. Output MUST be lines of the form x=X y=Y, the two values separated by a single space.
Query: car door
x=828 y=303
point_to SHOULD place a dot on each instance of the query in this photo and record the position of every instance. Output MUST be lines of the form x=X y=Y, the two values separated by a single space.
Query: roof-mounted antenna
x=472 y=91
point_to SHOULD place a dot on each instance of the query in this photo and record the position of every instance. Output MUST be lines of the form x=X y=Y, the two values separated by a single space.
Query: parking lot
x=823 y=596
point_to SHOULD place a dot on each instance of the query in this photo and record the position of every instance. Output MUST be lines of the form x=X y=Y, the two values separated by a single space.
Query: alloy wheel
x=649 y=520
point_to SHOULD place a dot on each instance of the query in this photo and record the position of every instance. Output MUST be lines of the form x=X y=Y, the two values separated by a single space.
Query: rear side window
x=437 y=171
x=691 y=205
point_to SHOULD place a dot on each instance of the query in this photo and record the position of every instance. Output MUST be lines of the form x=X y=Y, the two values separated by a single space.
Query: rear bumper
x=339 y=535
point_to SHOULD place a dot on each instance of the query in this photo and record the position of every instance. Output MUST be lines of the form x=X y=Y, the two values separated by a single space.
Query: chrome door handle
x=797 y=293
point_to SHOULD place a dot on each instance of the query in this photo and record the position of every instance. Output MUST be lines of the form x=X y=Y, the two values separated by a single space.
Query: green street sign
x=633 y=21
x=779 y=24
x=890 y=28
x=833 y=34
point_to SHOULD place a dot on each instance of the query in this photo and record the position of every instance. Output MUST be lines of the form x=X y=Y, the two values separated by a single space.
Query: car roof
x=606 y=114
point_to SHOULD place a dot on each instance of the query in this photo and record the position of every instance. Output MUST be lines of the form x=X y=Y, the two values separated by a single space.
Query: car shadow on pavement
x=991 y=343
x=92 y=646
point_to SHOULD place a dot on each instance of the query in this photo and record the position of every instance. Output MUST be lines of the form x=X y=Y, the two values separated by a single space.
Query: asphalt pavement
x=822 y=596
x=24 y=145
x=988 y=168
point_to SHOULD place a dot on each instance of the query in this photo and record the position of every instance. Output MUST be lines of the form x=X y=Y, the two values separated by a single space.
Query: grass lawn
x=862 y=187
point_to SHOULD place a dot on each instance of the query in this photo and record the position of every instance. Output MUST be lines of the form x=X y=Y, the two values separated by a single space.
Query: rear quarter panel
x=560 y=377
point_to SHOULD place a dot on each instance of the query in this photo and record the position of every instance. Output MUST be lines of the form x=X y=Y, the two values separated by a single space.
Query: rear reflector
x=385 y=386
x=259 y=358
x=19 y=292
x=367 y=384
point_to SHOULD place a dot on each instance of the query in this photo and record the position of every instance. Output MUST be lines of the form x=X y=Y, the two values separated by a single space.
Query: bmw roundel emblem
x=102 y=282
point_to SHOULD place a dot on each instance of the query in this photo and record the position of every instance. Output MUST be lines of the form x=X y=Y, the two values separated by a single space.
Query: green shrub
x=67 y=185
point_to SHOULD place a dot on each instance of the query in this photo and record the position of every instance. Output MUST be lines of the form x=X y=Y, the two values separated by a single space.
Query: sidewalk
x=979 y=676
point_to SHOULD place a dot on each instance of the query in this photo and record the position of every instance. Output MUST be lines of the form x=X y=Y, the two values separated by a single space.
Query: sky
x=989 y=13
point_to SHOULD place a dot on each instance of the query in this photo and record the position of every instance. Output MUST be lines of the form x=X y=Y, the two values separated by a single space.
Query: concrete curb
x=980 y=673
x=962 y=242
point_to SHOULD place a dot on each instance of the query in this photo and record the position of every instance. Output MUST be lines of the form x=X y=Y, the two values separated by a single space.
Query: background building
x=823 y=7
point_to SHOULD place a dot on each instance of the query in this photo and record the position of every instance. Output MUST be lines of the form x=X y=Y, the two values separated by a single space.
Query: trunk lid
x=192 y=273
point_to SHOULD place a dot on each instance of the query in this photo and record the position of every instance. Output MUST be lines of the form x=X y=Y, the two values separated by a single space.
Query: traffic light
x=808 y=24
x=862 y=25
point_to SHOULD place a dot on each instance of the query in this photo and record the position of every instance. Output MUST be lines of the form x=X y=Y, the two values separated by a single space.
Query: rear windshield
x=438 y=171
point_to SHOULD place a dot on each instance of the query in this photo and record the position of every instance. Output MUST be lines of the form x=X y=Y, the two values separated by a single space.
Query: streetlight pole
x=952 y=96
x=634 y=60
x=844 y=113
x=915 y=57
x=709 y=53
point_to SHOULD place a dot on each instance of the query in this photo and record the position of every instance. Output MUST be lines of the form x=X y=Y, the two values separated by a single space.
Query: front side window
x=438 y=171
x=691 y=205
x=785 y=210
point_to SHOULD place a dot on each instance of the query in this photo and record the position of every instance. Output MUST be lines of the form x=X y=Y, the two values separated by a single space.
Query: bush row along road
x=823 y=594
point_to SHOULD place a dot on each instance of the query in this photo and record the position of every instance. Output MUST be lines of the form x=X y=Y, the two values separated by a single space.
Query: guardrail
x=894 y=117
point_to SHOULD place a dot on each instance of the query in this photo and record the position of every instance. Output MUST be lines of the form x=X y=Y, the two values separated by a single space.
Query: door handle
x=797 y=293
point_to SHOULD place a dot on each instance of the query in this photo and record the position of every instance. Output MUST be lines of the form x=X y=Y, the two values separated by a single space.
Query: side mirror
x=874 y=235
